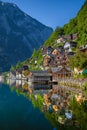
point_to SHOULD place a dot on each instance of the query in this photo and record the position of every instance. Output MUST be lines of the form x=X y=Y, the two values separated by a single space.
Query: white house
x=19 y=76
x=59 y=40
x=76 y=71
x=67 y=47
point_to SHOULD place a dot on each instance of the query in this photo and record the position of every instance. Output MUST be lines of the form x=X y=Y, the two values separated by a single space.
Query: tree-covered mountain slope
x=77 y=26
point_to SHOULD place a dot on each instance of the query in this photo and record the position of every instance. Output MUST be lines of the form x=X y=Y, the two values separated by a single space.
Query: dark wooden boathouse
x=41 y=77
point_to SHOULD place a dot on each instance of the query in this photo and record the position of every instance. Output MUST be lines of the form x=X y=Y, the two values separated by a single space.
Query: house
x=25 y=67
x=68 y=37
x=56 y=59
x=41 y=76
x=19 y=73
x=12 y=75
x=64 y=59
x=61 y=48
x=83 y=49
x=46 y=60
x=75 y=36
x=61 y=72
x=44 y=50
x=55 y=52
x=73 y=44
x=60 y=39
x=78 y=71
x=69 y=54
x=69 y=46
x=47 y=50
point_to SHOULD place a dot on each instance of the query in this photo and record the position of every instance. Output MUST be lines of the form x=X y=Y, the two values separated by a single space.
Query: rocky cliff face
x=19 y=35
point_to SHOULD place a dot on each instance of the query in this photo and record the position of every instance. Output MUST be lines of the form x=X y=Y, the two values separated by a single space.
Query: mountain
x=19 y=35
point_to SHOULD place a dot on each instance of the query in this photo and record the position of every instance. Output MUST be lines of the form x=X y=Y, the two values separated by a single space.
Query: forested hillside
x=77 y=25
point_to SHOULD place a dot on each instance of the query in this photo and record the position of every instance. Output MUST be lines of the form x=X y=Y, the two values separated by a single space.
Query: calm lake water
x=18 y=113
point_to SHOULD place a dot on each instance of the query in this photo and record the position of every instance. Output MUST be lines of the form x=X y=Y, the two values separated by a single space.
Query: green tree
x=79 y=60
x=12 y=68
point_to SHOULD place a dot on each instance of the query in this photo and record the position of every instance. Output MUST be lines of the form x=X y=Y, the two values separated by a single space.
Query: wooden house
x=75 y=36
x=61 y=72
x=69 y=54
x=56 y=59
x=41 y=76
x=46 y=60
x=83 y=49
x=46 y=50
x=56 y=52
x=64 y=72
x=65 y=60
x=68 y=37
x=60 y=39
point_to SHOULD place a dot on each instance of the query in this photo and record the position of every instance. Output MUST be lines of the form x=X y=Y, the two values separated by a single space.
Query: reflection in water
x=1 y=78
x=55 y=101
x=17 y=113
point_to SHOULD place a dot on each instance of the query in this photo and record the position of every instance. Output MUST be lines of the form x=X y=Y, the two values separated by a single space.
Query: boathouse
x=41 y=77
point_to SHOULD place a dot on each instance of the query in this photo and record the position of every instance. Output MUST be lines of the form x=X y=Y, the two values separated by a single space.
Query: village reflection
x=29 y=87
x=51 y=98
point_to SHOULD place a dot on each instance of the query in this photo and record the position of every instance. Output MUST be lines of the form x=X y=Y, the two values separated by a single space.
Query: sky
x=52 y=13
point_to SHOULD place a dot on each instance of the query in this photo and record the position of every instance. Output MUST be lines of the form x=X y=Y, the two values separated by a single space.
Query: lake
x=22 y=107
x=18 y=113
